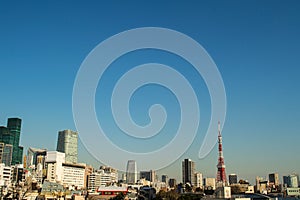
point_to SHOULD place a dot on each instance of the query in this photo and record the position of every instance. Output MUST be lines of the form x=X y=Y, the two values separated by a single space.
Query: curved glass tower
x=131 y=172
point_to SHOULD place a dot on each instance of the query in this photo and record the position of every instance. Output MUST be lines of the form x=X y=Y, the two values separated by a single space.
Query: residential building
x=67 y=143
x=198 y=180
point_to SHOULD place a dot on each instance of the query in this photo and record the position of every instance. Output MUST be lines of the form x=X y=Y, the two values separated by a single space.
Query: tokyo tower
x=221 y=174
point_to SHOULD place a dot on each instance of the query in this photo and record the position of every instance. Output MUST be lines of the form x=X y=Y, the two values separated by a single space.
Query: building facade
x=33 y=154
x=102 y=178
x=131 y=172
x=198 y=180
x=73 y=175
x=232 y=179
x=54 y=161
x=6 y=151
x=188 y=171
x=274 y=179
x=148 y=175
x=67 y=143
x=11 y=135
x=5 y=175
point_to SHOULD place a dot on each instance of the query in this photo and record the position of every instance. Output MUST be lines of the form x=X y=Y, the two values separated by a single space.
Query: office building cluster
x=11 y=152
x=58 y=172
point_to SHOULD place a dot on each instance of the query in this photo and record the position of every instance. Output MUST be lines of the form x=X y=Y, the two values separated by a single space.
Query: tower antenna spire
x=221 y=174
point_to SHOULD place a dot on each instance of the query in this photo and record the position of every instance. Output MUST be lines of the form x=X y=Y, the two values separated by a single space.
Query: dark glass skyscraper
x=11 y=135
x=188 y=171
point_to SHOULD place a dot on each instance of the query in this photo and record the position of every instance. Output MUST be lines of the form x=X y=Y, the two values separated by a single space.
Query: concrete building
x=210 y=182
x=73 y=175
x=18 y=174
x=67 y=143
x=33 y=154
x=198 y=180
x=5 y=175
x=103 y=177
x=188 y=171
x=54 y=161
x=88 y=171
x=131 y=172
x=67 y=174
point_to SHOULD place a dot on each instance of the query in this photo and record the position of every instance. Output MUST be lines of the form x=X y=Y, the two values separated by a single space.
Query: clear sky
x=255 y=45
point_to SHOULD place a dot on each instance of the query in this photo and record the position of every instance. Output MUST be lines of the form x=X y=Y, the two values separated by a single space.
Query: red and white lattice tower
x=221 y=174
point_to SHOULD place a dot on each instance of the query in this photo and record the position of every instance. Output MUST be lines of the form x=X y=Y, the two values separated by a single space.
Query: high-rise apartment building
x=188 y=171
x=131 y=172
x=198 y=180
x=11 y=135
x=67 y=143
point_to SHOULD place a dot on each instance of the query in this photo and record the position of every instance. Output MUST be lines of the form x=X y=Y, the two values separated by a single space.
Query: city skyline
x=254 y=44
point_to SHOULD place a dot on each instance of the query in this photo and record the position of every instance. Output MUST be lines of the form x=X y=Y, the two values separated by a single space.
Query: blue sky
x=255 y=45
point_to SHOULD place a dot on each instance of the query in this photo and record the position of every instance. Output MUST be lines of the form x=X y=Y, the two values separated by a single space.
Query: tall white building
x=131 y=172
x=5 y=175
x=54 y=161
x=67 y=143
x=198 y=180
x=67 y=174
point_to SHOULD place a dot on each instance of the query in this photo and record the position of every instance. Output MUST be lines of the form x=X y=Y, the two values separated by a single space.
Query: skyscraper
x=221 y=174
x=67 y=143
x=188 y=171
x=131 y=172
x=11 y=135
x=232 y=179
x=148 y=175
x=274 y=179
x=6 y=153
